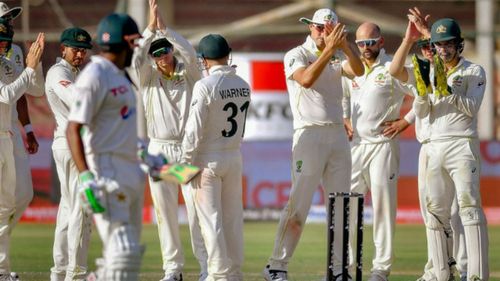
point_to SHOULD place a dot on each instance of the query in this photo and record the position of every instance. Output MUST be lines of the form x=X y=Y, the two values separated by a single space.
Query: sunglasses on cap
x=367 y=42
x=162 y=51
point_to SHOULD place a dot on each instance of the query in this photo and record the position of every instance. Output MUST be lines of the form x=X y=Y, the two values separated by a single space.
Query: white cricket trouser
x=458 y=159
x=319 y=155
x=459 y=251
x=219 y=205
x=73 y=226
x=120 y=225
x=375 y=167
x=24 y=182
x=8 y=198
x=165 y=199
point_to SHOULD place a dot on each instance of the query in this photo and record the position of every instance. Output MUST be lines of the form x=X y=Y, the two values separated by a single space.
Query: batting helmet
x=213 y=46
x=444 y=30
x=76 y=37
x=112 y=29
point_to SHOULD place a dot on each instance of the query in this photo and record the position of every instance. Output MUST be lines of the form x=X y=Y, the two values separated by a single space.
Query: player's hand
x=90 y=193
x=32 y=143
x=419 y=24
x=422 y=87
x=394 y=127
x=35 y=52
x=337 y=38
x=440 y=78
x=150 y=164
x=153 y=15
x=348 y=128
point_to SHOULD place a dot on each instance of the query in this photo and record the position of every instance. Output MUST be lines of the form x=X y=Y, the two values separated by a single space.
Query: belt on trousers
x=163 y=141
x=4 y=134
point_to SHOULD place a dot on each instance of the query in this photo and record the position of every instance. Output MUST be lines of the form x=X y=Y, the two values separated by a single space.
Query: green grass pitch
x=31 y=252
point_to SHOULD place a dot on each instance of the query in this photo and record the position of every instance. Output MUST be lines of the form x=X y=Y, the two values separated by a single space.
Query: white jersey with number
x=106 y=103
x=319 y=105
x=59 y=89
x=218 y=112
x=166 y=100
x=375 y=97
x=455 y=116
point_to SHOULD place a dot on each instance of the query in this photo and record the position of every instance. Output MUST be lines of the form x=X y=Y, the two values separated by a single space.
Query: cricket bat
x=178 y=173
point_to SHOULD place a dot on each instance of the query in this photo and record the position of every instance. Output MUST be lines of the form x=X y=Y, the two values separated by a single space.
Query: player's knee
x=471 y=216
x=432 y=222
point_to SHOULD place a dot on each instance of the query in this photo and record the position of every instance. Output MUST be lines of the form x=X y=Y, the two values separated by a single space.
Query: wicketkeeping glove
x=441 y=88
x=90 y=193
x=421 y=73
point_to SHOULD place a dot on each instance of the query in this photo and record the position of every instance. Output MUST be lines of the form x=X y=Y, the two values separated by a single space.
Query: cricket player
x=105 y=150
x=212 y=141
x=455 y=241
x=320 y=152
x=451 y=104
x=20 y=114
x=166 y=83
x=12 y=86
x=376 y=99
x=73 y=225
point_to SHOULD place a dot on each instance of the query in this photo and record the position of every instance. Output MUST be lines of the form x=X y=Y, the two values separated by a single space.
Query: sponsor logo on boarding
x=126 y=112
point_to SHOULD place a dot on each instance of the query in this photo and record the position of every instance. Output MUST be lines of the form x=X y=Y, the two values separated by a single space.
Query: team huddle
x=346 y=121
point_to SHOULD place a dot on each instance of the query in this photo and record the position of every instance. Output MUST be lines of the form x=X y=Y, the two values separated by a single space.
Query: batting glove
x=90 y=193
x=150 y=164
x=440 y=79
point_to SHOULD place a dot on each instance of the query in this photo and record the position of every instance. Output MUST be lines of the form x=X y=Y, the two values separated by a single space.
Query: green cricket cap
x=76 y=37
x=213 y=46
x=112 y=29
x=444 y=30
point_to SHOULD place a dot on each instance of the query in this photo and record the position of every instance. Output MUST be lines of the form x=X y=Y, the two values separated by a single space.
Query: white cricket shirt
x=321 y=104
x=455 y=116
x=375 y=97
x=218 y=113
x=59 y=89
x=106 y=103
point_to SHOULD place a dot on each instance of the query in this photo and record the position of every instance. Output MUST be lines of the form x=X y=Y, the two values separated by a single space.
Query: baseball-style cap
x=6 y=31
x=76 y=37
x=112 y=29
x=321 y=16
x=158 y=43
x=213 y=46
x=9 y=14
x=423 y=42
x=444 y=30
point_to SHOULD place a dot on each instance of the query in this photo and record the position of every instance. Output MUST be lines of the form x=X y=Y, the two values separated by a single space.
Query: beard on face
x=370 y=54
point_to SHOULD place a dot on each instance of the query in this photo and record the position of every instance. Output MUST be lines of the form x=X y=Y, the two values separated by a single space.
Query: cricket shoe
x=274 y=275
x=378 y=276
x=173 y=276
x=9 y=277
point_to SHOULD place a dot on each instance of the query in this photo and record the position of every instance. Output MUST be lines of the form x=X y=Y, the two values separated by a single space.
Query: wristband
x=85 y=176
x=28 y=128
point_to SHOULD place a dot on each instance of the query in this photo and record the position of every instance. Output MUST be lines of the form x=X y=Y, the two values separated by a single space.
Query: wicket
x=345 y=245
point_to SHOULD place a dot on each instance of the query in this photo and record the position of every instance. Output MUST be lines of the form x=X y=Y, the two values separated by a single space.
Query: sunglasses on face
x=367 y=42
x=162 y=51
x=319 y=27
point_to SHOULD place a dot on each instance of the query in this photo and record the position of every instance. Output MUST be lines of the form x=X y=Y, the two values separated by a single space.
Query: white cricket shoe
x=173 y=276
x=274 y=275
x=9 y=277
x=377 y=276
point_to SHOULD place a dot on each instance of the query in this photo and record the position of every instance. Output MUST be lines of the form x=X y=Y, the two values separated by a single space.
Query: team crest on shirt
x=457 y=81
x=298 y=166
x=380 y=79
x=17 y=59
x=7 y=69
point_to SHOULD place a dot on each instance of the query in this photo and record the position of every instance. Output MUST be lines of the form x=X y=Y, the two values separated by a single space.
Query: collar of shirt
x=456 y=67
x=310 y=45
x=107 y=63
x=222 y=69
x=382 y=58
x=65 y=63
